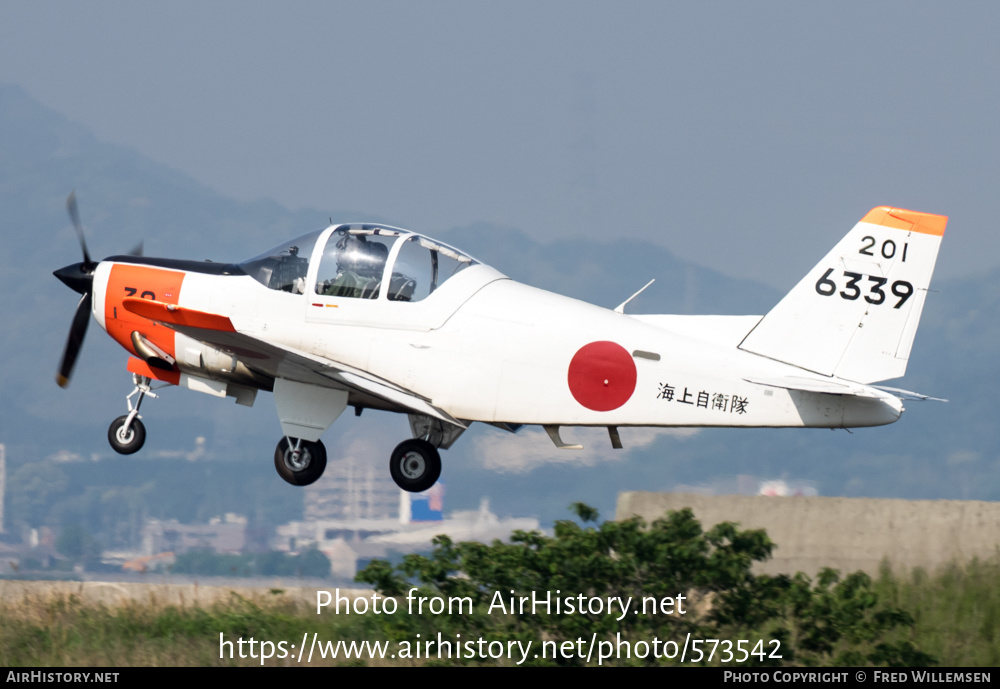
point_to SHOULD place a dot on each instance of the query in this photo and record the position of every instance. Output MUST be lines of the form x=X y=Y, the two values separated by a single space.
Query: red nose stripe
x=177 y=315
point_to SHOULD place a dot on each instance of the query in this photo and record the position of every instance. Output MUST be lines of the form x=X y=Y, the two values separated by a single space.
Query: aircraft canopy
x=360 y=262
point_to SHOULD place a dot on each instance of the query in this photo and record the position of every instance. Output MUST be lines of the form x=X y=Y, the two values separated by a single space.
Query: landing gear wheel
x=126 y=443
x=303 y=467
x=415 y=465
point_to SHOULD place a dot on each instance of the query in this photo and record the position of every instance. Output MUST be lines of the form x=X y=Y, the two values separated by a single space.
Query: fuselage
x=479 y=346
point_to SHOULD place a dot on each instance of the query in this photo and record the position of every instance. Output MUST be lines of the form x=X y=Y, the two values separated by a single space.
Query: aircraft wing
x=280 y=361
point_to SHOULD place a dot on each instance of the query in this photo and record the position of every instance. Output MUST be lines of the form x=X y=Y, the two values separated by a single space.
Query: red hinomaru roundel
x=602 y=376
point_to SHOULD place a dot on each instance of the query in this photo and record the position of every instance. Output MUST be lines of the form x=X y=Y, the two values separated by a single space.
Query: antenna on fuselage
x=621 y=307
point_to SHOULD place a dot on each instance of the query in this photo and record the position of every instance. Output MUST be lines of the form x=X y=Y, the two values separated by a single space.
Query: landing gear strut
x=415 y=465
x=300 y=462
x=127 y=433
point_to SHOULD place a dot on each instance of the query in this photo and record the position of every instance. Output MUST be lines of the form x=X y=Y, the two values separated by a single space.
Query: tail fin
x=855 y=314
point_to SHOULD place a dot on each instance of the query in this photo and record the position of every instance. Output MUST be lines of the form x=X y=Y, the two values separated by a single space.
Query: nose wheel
x=415 y=465
x=126 y=433
x=300 y=462
x=125 y=437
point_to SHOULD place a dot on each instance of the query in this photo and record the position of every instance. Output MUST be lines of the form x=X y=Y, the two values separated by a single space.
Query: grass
x=956 y=613
x=64 y=631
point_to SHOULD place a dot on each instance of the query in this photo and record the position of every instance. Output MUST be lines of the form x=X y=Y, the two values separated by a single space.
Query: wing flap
x=399 y=396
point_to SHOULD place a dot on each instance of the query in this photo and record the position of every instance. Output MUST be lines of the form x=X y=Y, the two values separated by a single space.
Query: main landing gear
x=127 y=434
x=300 y=462
x=415 y=465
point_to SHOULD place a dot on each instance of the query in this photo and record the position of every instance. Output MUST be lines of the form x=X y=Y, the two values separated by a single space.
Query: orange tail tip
x=902 y=219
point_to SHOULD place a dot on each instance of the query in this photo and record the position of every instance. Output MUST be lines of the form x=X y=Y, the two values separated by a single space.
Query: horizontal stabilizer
x=827 y=387
x=908 y=395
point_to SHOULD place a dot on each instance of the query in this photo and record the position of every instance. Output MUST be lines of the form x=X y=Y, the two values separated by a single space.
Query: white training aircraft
x=370 y=316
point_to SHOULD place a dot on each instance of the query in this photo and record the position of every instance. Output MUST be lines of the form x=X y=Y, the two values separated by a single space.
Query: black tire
x=415 y=465
x=126 y=444
x=308 y=469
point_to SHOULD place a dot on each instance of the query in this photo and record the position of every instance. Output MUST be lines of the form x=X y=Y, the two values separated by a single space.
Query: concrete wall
x=843 y=533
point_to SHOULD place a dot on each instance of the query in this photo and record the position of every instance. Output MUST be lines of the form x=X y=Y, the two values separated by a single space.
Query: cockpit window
x=422 y=266
x=353 y=263
x=284 y=267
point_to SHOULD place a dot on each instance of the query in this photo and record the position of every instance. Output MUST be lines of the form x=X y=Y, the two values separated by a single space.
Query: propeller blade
x=74 y=215
x=76 y=332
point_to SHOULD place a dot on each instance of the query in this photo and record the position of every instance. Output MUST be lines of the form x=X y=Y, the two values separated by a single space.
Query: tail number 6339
x=853 y=288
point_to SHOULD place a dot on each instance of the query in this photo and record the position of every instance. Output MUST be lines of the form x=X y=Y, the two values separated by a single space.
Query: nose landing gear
x=127 y=434
x=126 y=437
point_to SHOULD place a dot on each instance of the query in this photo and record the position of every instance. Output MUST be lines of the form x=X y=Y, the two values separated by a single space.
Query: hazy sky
x=746 y=136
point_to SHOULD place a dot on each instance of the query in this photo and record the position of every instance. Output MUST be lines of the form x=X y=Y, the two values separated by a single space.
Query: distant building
x=422 y=507
x=222 y=534
x=149 y=563
x=345 y=541
x=351 y=489
x=10 y=559
x=343 y=559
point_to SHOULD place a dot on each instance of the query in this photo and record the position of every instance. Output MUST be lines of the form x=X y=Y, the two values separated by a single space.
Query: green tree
x=34 y=488
x=691 y=582
x=312 y=563
x=273 y=563
x=76 y=543
x=209 y=563
x=843 y=620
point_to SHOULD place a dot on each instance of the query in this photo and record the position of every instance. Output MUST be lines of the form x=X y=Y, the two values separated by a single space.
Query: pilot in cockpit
x=360 y=264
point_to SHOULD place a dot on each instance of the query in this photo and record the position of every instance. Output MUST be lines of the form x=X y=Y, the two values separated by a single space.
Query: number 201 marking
x=888 y=248
x=900 y=288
